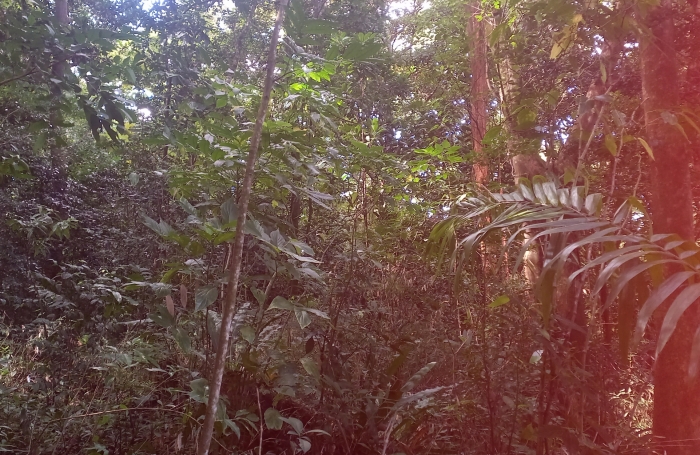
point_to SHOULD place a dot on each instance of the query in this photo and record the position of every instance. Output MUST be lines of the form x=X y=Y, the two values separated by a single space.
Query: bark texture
x=676 y=396
x=479 y=91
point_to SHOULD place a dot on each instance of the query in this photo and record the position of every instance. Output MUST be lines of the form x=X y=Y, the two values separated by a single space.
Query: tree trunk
x=234 y=271
x=58 y=158
x=676 y=397
x=479 y=91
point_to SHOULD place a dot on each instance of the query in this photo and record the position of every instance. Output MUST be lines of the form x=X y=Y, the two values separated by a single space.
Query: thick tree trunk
x=479 y=91
x=676 y=397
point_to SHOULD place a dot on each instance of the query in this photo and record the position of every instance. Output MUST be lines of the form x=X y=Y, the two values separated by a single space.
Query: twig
x=114 y=411
x=257 y=390
x=19 y=76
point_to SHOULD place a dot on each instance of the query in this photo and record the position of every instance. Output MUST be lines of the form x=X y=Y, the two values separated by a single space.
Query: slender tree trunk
x=237 y=255
x=676 y=397
x=479 y=91
x=58 y=158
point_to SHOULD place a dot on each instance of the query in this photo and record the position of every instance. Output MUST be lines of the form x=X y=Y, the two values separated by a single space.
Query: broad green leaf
x=407 y=399
x=187 y=207
x=248 y=333
x=550 y=191
x=233 y=426
x=614 y=266
x=304 y=445
x=610 y=144
x=557 y=49
x=199 y=390
x=213 y=325
x=295 y=423
x=594 y=204
x=281 y=303
x=39 y=142
x=492 y=134
x=182 y=339
x=229 y=211
x=302 y=317
x=500 y=300
x=205 y=296
x=162 y=317
x=310 y=367
x=273 y=419
x=130 y=76
x=526 y=192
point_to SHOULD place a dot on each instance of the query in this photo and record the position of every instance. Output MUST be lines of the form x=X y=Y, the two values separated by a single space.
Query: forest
x=354 y=227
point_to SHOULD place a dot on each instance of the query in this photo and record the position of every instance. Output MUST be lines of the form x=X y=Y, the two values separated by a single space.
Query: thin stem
x=237 y=255
x=19 y=76
x=257 y=390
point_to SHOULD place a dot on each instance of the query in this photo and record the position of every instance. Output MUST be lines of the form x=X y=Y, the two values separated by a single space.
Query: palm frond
x=625 y=252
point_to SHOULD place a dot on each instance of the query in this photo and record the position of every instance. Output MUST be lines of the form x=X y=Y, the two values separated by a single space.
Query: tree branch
x=19 y=76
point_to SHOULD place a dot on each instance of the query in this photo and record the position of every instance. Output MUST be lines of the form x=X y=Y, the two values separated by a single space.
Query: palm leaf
x=565 y=220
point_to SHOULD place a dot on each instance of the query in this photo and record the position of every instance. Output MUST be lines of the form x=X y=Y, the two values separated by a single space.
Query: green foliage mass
x=382 y=306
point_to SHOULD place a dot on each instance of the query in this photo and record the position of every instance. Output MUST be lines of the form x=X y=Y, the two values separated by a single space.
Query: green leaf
x=295 y=423
x=418 y=377
x=233 y=426
x=162 y=317
x=187 y=207
x=656 y=299
x=35 y=127
x=319 y=313
x=199 y=390
x=302 y=317
x=610 y=144
x=248 y=333
x=319 y=27
x=684 y=300
x=310 y=367
x=40 y=142
x=130 y=76
x=594 y=204
x=273 y=419
x=500 y=300
x=281 y=303
x=182 y=339
x=205 y=296
x=492 y=134
x=229 y=211
x=213 y=325
x=304 y=444
x=646 y=147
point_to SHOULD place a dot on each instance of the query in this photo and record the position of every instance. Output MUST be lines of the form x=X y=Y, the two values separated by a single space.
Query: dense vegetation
x=470 y=231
